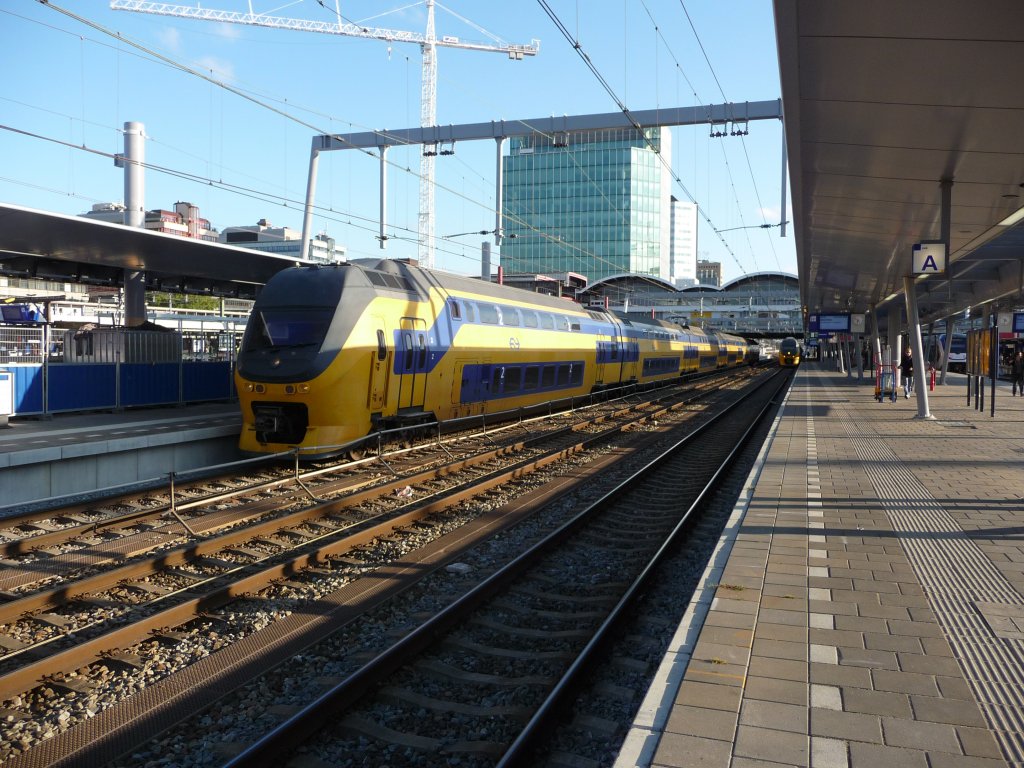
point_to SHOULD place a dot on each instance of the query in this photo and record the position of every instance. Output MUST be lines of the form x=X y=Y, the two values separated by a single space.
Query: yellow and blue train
x=789 y=353
x=332 y=353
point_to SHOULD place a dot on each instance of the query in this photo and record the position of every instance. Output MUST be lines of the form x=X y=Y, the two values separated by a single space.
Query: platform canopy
x=52 y=246
x=883 y=100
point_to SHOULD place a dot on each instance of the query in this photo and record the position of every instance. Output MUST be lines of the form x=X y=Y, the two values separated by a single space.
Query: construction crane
x=428 y=42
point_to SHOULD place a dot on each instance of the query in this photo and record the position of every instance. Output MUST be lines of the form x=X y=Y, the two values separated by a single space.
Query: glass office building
x=595 y=202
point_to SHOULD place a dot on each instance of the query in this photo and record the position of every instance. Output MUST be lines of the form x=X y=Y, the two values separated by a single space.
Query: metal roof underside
x=51 y=246
x=882 y=101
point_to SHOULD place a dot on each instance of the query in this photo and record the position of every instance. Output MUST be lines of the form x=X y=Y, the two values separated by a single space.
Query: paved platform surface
x=865 y=607
x=71 y=454
x=26 y=434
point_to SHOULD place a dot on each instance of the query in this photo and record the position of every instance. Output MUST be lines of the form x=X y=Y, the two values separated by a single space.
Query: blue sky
x=70 y=88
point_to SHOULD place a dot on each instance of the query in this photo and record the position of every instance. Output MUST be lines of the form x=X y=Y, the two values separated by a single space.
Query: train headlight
x=260 y=388
x=289 y=389
x=303 y=388
x=249 y=387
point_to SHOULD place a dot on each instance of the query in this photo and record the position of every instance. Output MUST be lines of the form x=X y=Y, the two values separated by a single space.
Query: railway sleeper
x=613 y=691
x=459 y=644
x=10 y=644
x=146 y=588
x=439 y=669
x=563 y=634
x=567 y=760
x=74 y=684
x=403 y=697
x=51 y=620
x=245 y=552
x=600 y=727
x=533 y=611
x=170 y=637
x=359 y=726
x=614 y=591
x=118 y=660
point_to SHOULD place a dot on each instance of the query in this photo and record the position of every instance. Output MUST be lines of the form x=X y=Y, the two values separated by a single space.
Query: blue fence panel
x=148 y=383
x=28 y=388
x=81 y=387
x=207 y=381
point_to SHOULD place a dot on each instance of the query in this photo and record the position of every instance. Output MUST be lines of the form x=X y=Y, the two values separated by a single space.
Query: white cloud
x=228 y=31
x=170 y=39
x=222 y=70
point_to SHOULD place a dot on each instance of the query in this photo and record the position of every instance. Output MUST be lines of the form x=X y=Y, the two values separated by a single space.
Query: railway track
x=485 y=680
x=195 y=601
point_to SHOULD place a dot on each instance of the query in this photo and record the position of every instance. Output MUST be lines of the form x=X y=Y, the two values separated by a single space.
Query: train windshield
x=299 y=327
x=788 y=345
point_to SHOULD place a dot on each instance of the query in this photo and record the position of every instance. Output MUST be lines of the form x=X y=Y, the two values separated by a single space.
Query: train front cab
x=789 y=353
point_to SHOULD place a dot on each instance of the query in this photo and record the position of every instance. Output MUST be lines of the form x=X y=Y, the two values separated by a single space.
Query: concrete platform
x=80 y=453
x=864 y=608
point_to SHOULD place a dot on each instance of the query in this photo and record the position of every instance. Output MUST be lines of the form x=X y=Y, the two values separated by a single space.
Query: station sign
x=857 y=323
x=929 y=258
x=1018 y=322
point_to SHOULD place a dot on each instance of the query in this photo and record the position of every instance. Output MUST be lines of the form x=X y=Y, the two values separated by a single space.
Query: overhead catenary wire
x=261 y=102
x=585 y=57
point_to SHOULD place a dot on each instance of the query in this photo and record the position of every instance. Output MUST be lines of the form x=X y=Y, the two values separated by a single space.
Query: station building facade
x=762 y=304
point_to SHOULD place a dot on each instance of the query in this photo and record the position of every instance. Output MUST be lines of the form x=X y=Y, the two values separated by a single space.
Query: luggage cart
x=885 y=382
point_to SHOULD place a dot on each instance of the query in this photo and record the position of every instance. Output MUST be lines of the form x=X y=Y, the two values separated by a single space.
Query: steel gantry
x=738 y=113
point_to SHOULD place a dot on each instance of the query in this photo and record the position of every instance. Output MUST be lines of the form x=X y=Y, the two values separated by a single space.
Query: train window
x=488 y=314
x=512 y=377
x=530 y=377
x=377 y=279
x=548 y=322
x=563 y=375
x=382 y=346
x=510 y=316
x=562 y=322
x=575 y=373
x=456 y=309
x=497 y=374
x=423 y=353
x=547 y=376
x=530 y=318
x=408 y=350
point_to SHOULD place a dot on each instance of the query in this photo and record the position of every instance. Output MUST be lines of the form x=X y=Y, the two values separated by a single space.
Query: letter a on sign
x=929 y=258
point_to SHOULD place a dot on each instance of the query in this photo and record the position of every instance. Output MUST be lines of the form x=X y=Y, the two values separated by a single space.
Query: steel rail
x=65 y=593
x=69 y=660
x=520 y=752
x=283 y=739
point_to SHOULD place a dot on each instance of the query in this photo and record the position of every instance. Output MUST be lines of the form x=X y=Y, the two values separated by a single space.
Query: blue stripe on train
x=494 y=381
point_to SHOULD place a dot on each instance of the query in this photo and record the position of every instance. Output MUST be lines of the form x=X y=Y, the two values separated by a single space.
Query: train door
x=379 y=368
x=616 y=369
x=472 y=385
x=412 y=373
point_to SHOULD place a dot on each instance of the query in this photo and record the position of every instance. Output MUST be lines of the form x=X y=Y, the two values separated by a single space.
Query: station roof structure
x=883 y=101
x=53 y=246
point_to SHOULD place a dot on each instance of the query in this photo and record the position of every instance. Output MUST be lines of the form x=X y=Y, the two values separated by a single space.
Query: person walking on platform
x=1017 y=372
x=907 y=371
